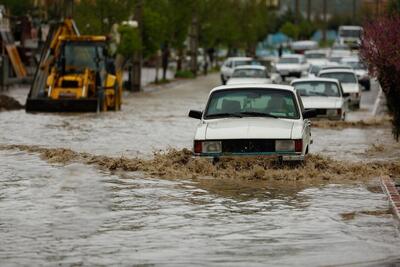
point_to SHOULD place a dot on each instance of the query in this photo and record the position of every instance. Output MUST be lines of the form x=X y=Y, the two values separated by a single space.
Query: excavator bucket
x=62 y=105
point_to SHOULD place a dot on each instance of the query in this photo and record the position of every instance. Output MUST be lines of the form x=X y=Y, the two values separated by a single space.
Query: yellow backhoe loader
x=75 y=74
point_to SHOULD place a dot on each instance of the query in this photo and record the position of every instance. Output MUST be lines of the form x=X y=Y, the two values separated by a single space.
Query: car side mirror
x=195 y=114
x=310 y=113
x=346 y=94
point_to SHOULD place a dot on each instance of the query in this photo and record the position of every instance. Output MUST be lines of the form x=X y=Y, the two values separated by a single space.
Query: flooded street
x=77 y=214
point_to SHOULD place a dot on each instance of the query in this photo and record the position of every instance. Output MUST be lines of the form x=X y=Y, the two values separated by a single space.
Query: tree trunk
x=325 y=22
x=137 y=57
x=309 y=10
x=194 y=44
x=180 y=59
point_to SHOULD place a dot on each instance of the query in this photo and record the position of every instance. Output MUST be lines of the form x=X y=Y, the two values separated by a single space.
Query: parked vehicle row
x=252 y=116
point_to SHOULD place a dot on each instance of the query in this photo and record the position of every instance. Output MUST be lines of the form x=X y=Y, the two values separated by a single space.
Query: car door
x=307 y=139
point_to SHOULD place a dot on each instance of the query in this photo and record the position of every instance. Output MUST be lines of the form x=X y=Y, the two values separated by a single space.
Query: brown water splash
x=351 y=215
x=384 y=121
x=179 y=164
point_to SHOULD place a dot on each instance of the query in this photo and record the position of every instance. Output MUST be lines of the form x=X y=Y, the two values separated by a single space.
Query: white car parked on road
x=230 y=64
x=325 y=96
x=316 y=57
x=249 y=74
x=292 y=65
x=350 y=85
x=267 y=120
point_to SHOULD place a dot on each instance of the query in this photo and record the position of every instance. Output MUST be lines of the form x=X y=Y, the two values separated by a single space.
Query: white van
x=350 y=35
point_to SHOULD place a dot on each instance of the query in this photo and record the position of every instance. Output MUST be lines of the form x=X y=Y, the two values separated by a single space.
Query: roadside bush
x=380 y=51
x=185 y=74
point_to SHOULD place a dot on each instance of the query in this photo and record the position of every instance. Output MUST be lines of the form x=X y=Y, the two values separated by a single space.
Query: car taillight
x=298 y=145
x=198 y=146
x=339 y=111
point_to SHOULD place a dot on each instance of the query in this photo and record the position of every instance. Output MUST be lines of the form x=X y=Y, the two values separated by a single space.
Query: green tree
x=290 y=30
x=18 y=7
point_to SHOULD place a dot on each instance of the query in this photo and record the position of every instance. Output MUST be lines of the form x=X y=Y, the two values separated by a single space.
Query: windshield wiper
x=258 y=114
x=235 y=115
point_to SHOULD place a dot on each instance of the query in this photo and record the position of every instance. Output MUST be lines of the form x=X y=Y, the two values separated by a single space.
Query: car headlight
x=284 y=145
x=212 y=147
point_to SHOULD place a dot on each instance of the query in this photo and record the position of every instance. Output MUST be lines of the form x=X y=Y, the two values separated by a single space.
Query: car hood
x=248 y=81
x=315 y=102
x=350 y=88
x=249 y=128
x=318 y=61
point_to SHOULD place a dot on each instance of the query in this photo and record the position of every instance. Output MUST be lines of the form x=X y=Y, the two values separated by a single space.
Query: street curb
x=389 y=187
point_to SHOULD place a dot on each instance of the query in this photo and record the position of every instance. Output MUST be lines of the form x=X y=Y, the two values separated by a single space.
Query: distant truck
x=350 y=35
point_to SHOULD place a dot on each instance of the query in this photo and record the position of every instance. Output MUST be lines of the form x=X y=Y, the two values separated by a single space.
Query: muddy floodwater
x=74 y=213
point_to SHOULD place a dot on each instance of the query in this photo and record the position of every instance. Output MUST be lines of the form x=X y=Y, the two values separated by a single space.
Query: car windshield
x=350 y=33
x=357 y=65
x=249 y=73
x=317 y=89
x=315 y=56
x=343 y=77
x=242 y=62
x=252 y=102
x=315 y=69
x=289 y=60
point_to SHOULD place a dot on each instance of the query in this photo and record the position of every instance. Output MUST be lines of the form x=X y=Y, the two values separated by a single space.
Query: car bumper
x=289 y=72
x=269 y=155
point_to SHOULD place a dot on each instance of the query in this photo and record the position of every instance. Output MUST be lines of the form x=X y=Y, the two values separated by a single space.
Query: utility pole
x=309 y=10
x=136 y=72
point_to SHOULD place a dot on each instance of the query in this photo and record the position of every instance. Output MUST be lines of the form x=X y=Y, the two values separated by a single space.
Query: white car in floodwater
x=230 y=64
x=253 y=120
x=292 y=65
x=249 y=74
x=348 y=79
x=325 y=96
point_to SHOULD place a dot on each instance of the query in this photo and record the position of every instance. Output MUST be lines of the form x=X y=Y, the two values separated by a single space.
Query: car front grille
x=248 y=145
x=321 y=111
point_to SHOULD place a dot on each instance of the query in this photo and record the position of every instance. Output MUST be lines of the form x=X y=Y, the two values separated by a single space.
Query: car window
x=249 y=73
x=343 y=77
x=315 y=69
x=317 y=89
x=315 y=56
x=228 y=64
x=241 y=63
x=289 y=60
x=279 y=103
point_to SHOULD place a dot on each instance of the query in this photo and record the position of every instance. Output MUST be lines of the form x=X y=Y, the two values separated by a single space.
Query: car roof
x=258 y=67
x=239 y=58
x=338 y=67
x=292 y=56
x=253 y=86
x=315 y=80
x=316 y=51
x=337 y=70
